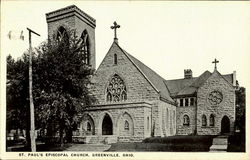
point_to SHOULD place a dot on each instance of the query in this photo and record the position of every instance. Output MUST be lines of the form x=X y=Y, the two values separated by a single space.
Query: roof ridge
x=127 y=54
x=146 y=66
x=155 y=80
x=222 y=76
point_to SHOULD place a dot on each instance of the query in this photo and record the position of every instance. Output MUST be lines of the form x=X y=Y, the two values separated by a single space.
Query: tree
x=17 y=94
x=61 y=81
x=240 y=108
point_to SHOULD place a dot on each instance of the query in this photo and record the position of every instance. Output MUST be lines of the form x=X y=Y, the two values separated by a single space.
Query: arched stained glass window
x=116 y=90
x=85 y=46
x=204 y=120
x=211 y=120
x=186 y=120
x=62 y=35
x=126 y=125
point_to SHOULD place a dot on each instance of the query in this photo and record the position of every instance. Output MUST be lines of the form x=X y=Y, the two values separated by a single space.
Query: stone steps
x=219 y=144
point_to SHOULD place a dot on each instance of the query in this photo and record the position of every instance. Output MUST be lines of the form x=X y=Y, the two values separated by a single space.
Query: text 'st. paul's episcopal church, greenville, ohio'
x=134 y=102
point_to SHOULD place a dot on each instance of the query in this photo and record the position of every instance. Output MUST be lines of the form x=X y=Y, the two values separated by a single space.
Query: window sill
x=207 y=126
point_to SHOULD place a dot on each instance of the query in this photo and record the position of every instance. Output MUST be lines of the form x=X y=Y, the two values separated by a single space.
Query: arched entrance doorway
x=107 y=125
x=225 y=125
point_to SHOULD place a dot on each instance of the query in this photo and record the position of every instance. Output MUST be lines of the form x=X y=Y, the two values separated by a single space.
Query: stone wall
x=164 y=117
x=73 y=23
x=183 y=129
x=226 y=107
x=134 y=114
x=138 y=88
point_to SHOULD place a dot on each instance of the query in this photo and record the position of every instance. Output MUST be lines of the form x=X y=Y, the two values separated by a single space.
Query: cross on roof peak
x=115 y=27
x=215 y=63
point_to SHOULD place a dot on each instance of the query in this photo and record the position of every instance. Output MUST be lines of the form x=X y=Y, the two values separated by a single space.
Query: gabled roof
x=154 y=79
x=183 y=87
x=191 y=89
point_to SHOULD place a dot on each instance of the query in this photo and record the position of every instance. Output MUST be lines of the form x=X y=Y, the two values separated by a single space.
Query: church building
x=134 y=102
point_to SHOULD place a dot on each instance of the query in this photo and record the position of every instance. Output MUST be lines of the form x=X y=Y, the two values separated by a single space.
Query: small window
x=115 y=59
x=211 y=120
x=126 y=125
x=88 y=126
x=186 y=101
x=204 y=120
x=181 y=102
x=191 y=101
x=186 y=120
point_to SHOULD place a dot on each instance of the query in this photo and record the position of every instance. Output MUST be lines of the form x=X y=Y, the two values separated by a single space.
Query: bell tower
x=62 y=21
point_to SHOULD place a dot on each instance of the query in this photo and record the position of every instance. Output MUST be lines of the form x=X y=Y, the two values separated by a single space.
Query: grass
x=172 y=144
x=42 y=147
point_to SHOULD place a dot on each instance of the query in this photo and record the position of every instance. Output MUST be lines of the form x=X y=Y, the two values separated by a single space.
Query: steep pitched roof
x=229 y=78
x=154 y=79
x=181 y=87
x=177 y=85
x=191 y=89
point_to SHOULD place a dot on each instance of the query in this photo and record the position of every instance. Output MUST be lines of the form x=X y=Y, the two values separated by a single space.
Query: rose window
x=116 y=90
x=215 y=98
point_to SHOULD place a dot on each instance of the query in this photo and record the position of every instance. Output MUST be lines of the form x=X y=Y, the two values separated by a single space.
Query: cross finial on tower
x=215 y=62
x=115 y=27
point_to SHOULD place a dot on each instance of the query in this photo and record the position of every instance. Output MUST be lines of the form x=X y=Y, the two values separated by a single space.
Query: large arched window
x=186 y=120
x=85 y=46
x=211 y=120
x=62 y=35
x=116 y=90
x=204 y=120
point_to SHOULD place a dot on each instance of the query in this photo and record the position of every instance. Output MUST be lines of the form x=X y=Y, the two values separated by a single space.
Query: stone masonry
x=134 y=102
x=225 y=108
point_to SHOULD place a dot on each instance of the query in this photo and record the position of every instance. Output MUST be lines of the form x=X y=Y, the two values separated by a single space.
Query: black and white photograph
x=124 y=79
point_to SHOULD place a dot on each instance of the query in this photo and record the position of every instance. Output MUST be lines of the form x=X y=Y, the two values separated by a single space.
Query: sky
x=166 y=36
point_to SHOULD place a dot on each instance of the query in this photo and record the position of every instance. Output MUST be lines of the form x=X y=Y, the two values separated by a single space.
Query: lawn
x=42 y=148
x=171 y=144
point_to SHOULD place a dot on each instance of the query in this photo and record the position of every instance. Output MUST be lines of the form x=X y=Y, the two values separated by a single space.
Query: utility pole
x=32 y=116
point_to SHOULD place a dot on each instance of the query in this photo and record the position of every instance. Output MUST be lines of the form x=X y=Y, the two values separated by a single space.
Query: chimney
x=234 y=78
x=188 y=74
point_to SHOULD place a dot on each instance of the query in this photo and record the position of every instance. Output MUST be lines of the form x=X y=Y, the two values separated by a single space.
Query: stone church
x=134 y=102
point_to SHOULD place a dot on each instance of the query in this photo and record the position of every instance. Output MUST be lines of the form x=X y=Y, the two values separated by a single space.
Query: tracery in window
x=62 y=35
x=116 y=90
x=85 y=46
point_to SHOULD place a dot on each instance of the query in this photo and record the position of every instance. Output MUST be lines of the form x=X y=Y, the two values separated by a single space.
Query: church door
x=107 y=125
x=225 y=125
